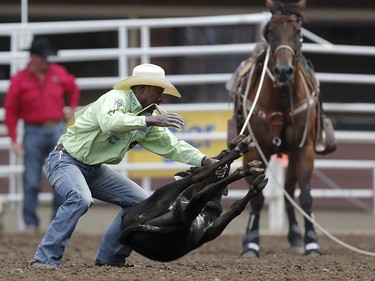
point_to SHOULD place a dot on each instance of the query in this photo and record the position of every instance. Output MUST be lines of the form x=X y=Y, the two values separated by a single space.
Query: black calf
x=183 y=215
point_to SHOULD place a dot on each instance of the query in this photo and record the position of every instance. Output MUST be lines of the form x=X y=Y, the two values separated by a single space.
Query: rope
x=307 y=123
x=317 y=225
x=258 y=90
x=333 y=185
x=303 y=213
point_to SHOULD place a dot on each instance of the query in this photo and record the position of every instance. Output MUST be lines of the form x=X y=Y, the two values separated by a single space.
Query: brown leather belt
x=46 y=124
x=61 y=148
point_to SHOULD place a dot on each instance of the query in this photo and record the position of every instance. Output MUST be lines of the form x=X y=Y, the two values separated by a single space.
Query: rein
x=308 y=104
x=265 y=66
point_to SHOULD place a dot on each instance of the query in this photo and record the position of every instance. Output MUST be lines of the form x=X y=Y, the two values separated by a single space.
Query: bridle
x=285 y=19
x=287 y=47
x=296 y=21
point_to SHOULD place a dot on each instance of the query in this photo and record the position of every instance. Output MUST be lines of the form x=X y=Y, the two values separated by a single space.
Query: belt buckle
x=60 y=147
x=49 y=124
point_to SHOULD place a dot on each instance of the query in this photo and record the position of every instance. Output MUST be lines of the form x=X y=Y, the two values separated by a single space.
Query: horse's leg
x=294 y=233
x=304 y=173
x=251 y=238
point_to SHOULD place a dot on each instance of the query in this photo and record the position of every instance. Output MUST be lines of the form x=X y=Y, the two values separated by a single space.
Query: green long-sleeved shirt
x=108 y=127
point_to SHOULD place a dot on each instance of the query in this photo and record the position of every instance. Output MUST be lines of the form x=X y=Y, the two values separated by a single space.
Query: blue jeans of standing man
x=78 y=184
x=38 y=142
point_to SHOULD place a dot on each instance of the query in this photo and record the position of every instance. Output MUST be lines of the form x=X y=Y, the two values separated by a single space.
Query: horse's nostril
x=290 y=71
x=277 y=71
x=283 y=73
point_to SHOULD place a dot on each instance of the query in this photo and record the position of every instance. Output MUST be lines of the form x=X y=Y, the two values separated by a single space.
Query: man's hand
x=69 y=114
x=18 y=149
x=219 y=172
x=165 y=120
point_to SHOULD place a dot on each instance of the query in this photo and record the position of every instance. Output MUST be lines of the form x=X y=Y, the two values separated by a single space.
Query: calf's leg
x=220 y=223
x=203 y=194
x=160 y=201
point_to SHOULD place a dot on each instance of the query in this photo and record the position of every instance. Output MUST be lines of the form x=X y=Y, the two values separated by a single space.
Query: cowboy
x=37 y=95
x=102 y=134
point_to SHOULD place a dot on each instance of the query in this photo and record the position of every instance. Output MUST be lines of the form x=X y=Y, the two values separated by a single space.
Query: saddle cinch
x=325 y=141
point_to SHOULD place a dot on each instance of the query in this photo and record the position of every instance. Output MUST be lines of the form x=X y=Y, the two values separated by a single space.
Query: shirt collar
x=135 y=106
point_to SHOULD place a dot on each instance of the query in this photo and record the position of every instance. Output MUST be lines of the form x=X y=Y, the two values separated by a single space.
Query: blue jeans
x=78 y=184
x=38 y=142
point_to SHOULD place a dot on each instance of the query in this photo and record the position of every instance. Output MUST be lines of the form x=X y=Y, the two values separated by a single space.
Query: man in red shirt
x=37 y=96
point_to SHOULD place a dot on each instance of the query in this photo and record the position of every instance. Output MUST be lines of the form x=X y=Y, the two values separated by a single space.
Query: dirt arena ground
x=217 y=260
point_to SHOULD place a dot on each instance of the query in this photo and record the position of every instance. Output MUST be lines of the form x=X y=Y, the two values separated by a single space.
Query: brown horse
x=283 y=96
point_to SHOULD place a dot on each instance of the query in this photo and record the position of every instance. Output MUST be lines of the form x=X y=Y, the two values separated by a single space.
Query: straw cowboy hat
x=148 y=74
x=42 y=47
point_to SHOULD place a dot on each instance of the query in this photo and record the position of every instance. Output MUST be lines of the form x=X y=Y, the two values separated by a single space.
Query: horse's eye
x=269 y=34
x=298 y=35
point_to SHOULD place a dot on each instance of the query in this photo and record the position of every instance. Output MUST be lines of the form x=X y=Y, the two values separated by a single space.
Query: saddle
x=325 y=141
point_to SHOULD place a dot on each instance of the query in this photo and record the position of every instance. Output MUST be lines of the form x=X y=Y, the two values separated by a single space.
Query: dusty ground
x=217 y=260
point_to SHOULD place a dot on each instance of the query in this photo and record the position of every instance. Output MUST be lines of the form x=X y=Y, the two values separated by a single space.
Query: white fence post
x=275 y=173
x=146 y=184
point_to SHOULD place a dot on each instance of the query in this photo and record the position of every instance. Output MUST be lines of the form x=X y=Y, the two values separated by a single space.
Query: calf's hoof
x=238 y=139
x=255 y=164
x=259 y=184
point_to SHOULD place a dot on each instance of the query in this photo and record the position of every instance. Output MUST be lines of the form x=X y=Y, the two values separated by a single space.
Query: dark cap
x=41 y=47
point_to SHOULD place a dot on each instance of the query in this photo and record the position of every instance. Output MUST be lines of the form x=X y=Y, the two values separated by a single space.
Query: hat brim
x=43 y=54
x=129 y=82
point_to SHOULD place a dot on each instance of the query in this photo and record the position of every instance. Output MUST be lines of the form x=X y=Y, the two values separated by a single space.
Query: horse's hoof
x=250 y=253
x=297 y=250
x=313 y=253
x=312 y=249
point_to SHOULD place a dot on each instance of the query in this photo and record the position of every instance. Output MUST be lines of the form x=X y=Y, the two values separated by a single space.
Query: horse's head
x=283 y=34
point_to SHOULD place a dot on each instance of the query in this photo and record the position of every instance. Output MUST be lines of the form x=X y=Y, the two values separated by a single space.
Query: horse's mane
x=282 y=9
